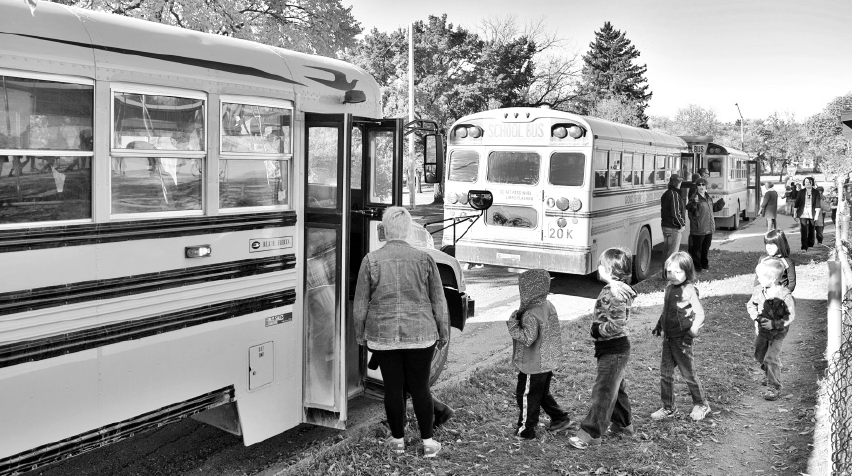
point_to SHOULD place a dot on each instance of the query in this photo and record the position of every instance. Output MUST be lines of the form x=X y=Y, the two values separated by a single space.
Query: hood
x=533 y=286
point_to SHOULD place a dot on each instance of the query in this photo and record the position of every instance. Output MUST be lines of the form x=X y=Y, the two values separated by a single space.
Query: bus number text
x=559 y=233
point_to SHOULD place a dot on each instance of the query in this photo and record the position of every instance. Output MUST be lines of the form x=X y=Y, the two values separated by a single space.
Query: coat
x=701 y=221
x=769 y=205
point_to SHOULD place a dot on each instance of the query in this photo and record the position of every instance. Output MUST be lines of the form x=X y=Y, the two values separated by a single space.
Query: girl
x=777 y=247
x=682 y=317
x=610 y=405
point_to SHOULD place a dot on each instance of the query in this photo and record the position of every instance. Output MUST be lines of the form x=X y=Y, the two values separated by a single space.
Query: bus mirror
x=846 y=124
x=480 y=199
x=433 y=158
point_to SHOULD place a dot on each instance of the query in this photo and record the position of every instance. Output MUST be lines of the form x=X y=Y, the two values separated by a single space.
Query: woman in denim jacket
x=399 y=314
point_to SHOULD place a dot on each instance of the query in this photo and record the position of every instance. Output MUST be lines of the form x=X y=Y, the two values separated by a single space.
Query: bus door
x=376 y=171
x=752 y=188
x=326 y=239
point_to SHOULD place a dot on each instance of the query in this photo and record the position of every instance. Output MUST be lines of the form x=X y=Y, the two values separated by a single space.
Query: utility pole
x=742 y=122
x=411 y=114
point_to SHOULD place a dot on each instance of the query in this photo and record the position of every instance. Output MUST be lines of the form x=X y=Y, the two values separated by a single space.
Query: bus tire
x=642 y=256
x=736 y=219
x=439 y=359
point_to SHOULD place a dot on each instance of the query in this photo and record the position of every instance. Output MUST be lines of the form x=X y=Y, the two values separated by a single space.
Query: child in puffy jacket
x=682 y=317
x=537 y=343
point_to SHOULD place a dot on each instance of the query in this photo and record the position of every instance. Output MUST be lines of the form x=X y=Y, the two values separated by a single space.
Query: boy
x=534 y=328
x=610 y=402
x=773 y=308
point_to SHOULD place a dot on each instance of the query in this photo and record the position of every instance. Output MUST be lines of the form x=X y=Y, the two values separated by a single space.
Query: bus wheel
x=439 y=359
x=642 y=257
x=736 y=220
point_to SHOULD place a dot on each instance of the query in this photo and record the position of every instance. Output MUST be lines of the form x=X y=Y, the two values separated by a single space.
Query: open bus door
x=753 y=189
x=353 y=171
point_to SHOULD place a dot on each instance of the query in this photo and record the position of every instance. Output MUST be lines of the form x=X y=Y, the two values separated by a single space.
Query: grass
x=479 y=440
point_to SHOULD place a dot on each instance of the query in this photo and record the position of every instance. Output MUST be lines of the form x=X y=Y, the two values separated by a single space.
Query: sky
x=784 y=56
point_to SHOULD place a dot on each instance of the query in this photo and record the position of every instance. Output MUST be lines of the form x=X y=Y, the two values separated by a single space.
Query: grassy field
x=479 y=440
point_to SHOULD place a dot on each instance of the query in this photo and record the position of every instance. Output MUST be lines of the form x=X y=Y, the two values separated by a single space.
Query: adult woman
x=825 y=210
x=807 y=211
x=701 y=224
x=399 y=315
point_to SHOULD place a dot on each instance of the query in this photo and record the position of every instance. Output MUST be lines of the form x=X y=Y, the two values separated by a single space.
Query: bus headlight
x=551 y=203
x=562 y=203
x=452 y=197
x=576 y=204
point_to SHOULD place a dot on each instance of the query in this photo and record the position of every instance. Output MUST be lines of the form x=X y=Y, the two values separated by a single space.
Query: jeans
x=407 y=369
x=533 y=395
x=671 y=237
x=609 y=398
x=770 y=224
x=677 y=352
x=767 y=351
x=699 y=248
x=818 y=233
x=806 y=225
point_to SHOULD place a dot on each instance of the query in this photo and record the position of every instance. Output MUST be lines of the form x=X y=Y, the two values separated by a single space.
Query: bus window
x=567 y=169
x=661 y=169
x=630 y=176
x=601 y=168
x=520 y=168
x=714 y=167
x=164 y=171
x=615 y=169
x=464 y=166
x=649 y=169
x=381 y=153
x=50 y=123
x=255 y=152
x=322 y=167
x=320 y=315
x=513 y=217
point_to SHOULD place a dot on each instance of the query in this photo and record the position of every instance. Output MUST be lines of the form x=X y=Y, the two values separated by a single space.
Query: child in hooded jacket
x=682 y=317
x=610 y=404
x=537 y=343
x=773 y=308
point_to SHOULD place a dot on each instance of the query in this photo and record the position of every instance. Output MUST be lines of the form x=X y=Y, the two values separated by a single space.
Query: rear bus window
x=464 y=166
x=521 y=168
x=567 y=169
x=512 y=216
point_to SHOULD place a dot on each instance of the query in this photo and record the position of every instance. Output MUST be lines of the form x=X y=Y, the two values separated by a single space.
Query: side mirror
x=433 y=158
x=480 y=199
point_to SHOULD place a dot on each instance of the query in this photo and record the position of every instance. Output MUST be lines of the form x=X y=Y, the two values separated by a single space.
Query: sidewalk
x=749 y=237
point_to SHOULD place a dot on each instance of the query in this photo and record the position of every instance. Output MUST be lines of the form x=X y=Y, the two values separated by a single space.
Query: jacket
x=678 y=314
x=775 y=305
x=672 y=209
x=399 y=298
x=788 y=277
x=609 y=324
x=701 y=221
x=769 y=204
x=825 y=207
x=534 y=327
x=800 y=202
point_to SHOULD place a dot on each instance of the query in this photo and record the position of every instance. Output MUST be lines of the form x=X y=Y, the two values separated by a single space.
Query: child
x=682 y=317
x=610 y=402
x=772 y=307
x=534 y=328
x=777 y=248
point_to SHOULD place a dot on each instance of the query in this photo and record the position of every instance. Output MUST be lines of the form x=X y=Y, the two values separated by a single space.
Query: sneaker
x=443 y=417
x=576 y=442
x=764 y=382
x=524 y=438
x=699 y=412
x=430 y=450
x=663 y=413
x=615 y=430
x=771 y=395
x=396 y=445
x=561 y=425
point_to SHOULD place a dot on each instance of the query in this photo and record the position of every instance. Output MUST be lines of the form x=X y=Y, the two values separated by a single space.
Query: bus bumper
x=576 y=261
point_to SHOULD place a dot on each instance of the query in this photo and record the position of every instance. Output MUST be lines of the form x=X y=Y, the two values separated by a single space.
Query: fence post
x=835 y=296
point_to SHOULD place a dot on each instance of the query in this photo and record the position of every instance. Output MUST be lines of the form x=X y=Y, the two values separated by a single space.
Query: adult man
x=672 y=214
x=769 y=206
x=807 y=210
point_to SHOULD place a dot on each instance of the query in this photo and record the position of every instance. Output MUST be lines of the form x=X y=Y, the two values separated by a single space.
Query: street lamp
x=742 y=121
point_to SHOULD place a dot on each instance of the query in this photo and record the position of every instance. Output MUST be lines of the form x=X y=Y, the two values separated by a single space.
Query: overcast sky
x=767 y=55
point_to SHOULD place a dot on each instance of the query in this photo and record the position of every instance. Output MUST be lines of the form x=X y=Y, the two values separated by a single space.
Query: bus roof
x=726 y=150
x=77 y=42
x=601 y=128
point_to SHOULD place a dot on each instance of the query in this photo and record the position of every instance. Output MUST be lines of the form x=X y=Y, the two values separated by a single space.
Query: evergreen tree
x=609 y=72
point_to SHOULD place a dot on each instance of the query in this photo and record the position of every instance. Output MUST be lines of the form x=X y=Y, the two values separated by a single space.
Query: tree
x=609 y=72
x=322 y=27
x=617 y=109
x=781 y=142
x=694 y=120
x=831 y=151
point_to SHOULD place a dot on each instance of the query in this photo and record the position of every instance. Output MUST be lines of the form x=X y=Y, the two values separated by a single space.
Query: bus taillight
x=453 y=197
x=576 y=205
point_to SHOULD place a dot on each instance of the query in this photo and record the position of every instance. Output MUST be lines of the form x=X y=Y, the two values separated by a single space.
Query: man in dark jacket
x=673 y=217
x=807 y=210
